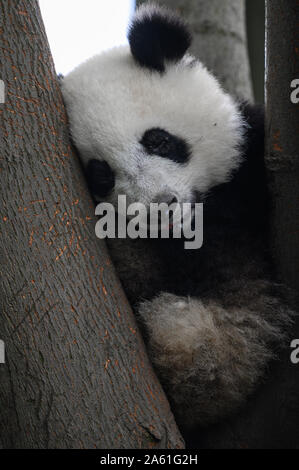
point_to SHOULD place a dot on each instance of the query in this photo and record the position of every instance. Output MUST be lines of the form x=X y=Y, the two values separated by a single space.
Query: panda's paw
x=208 y=358
x=176 y=328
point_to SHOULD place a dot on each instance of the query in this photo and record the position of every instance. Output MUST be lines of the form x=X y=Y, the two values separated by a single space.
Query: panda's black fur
x=156 y=36
x=212 y=318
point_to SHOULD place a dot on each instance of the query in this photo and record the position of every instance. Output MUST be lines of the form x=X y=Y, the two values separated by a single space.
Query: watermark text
x=156 y=221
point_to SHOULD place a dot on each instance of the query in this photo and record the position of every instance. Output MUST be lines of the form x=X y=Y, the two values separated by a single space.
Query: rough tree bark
x=76 y=374
x=219 y=39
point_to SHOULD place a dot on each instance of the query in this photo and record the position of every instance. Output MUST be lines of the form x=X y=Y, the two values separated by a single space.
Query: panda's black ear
x=156 y=35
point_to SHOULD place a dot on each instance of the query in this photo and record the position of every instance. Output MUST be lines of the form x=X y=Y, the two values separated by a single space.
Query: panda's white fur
x=211 y=318
x=112 y=101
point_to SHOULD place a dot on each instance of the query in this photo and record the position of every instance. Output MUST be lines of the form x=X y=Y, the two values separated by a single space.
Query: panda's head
x=149 y=120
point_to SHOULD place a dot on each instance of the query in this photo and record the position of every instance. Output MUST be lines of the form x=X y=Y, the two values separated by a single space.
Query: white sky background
x=79 y=29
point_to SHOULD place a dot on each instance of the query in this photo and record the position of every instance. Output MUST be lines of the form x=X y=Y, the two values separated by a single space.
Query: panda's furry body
x=153 y=124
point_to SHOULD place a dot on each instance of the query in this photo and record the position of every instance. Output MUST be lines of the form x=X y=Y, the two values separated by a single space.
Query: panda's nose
x=166 y=197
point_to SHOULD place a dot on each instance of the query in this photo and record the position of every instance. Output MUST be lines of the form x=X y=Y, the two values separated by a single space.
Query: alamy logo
x=295 y=92
x=295 y=353
x=158 y=221
x=2 y=92
x=2 y=352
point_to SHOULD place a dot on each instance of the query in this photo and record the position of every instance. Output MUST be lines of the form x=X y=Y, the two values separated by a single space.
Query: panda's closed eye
x=160 y=142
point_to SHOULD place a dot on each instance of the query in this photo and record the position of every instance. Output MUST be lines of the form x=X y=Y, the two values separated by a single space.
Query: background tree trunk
x=255 y=19
x=76 y=372
x=283 y=134
x=219 y=39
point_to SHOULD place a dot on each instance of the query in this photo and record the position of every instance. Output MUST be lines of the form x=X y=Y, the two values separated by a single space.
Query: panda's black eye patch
x=160 y=142
x=100 y=177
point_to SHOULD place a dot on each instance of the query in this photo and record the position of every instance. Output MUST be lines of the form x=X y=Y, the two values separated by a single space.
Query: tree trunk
x=255 y=24
x=283 y=134
x=219 y=39
x=76 y=372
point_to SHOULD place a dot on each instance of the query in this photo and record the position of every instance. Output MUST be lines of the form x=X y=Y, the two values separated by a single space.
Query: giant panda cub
x=152 y=123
